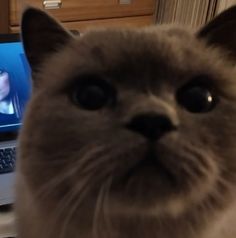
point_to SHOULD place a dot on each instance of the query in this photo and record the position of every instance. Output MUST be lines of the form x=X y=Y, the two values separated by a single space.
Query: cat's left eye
x=196 y=98
x=92 y=93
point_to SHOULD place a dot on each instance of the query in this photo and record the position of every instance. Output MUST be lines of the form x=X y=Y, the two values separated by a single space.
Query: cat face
x=140 y=121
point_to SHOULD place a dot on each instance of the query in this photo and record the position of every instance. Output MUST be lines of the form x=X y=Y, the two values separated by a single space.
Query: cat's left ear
x=221 y=31
x=41 y=35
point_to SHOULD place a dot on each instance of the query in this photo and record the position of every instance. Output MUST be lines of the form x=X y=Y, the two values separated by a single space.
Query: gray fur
x=73 y=162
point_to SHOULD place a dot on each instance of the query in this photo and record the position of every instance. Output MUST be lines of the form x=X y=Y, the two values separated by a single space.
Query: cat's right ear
x=41 y=35
x=221 y=31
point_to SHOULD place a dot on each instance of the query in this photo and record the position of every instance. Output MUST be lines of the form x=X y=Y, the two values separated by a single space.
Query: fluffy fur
x=83 y=173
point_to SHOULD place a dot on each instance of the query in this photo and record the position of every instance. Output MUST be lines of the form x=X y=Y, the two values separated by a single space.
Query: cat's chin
x=166 y=181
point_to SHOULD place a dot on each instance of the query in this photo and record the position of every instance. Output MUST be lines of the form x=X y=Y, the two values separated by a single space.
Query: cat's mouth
x=149 y=174
x=164 y=174
x=151 y=164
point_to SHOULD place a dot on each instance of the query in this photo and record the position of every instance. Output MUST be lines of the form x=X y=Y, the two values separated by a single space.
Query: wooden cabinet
x=4 y=16
x=83 y=14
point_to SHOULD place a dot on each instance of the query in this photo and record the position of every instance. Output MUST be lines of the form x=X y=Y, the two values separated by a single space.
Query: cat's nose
x=151 y=125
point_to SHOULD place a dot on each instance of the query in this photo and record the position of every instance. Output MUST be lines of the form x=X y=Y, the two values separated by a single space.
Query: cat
x=129 y=133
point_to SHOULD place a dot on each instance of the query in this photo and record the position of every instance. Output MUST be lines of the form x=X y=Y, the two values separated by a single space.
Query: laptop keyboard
x=7 y=160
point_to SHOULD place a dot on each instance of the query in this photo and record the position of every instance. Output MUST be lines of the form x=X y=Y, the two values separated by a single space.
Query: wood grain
x=4 y=16
x=114 y=22
x=76 y=10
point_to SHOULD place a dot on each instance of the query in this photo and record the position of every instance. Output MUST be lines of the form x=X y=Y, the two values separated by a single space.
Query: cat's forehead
x=153 y=48
x=131 y=37
x=157 y=53
x=153 y=43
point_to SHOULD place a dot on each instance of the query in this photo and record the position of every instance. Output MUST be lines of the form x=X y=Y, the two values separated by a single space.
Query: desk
x=7 y=224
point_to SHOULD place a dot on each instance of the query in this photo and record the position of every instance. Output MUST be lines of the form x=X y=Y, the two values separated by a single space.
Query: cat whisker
x=81 y=192
x=101 y=221
x=78 y=194
x=65 y=203
x=53 y=183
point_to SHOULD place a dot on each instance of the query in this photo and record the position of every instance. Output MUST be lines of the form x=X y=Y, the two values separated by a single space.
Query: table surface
x=7 y=228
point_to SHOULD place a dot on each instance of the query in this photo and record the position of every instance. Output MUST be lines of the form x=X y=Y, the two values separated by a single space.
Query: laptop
x=15 y=89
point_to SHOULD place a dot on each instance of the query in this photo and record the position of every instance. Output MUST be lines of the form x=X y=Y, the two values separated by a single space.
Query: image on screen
x=15 y=86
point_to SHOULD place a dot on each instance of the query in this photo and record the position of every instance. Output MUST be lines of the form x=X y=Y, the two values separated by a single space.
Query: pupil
x=92 y=97
x=197 y=99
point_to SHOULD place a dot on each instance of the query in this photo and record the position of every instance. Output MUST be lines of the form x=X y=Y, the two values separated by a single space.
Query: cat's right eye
x=93 y=93
x=196 y=98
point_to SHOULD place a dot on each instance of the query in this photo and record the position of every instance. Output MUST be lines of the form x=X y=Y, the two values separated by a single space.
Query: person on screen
x=9 y=102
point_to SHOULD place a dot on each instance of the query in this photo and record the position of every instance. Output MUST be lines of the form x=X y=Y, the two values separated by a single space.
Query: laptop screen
x=15 y=86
